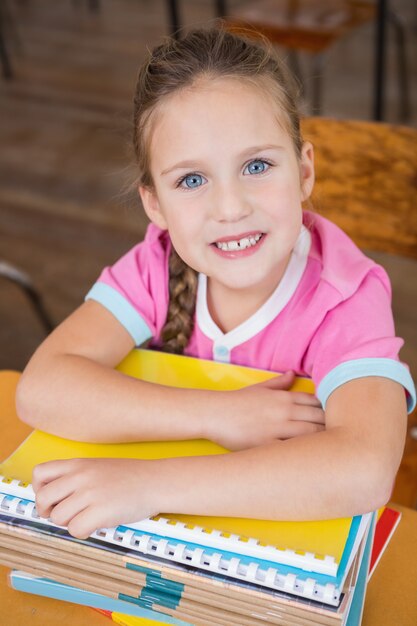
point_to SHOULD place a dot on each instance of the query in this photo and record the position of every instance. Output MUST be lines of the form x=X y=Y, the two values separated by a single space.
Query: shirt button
x=221 y=352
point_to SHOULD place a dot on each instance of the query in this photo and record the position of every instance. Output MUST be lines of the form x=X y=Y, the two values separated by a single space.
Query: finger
x=49 y=471
x=66 y=510
x=50 y=494
x=297 y=429
x=306 y=413
x=300 y=397
x=86 y=522
x=282 y=381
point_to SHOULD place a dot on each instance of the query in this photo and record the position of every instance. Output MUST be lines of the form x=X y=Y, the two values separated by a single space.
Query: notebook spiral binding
x=270 y=577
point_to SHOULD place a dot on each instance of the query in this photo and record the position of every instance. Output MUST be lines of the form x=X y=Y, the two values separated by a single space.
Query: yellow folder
x=322 y=538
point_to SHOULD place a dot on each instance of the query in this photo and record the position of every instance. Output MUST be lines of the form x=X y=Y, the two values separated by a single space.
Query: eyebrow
x=195 y=164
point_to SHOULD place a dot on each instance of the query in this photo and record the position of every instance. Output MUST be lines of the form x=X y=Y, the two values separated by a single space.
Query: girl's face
x=228 y=185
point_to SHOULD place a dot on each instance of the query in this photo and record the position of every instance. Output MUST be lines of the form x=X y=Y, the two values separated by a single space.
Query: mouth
x=244 y=242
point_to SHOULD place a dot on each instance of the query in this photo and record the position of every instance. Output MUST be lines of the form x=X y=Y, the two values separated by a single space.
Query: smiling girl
x=232 y=269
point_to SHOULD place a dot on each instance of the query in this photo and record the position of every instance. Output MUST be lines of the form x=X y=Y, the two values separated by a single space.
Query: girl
x=231 y=269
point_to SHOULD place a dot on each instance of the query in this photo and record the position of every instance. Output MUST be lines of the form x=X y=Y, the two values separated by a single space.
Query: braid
x=182 y=299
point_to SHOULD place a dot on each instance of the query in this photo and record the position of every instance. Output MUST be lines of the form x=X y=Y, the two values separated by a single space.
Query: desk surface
x=391 y=598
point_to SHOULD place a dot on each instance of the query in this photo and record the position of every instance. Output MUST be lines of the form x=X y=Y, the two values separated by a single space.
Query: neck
x=229 y=308
x=235 y=312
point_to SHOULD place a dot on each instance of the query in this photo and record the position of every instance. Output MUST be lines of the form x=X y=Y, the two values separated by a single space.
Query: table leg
x=380 y=60
x=4 y=56
x=221 y=10
x=174 y=19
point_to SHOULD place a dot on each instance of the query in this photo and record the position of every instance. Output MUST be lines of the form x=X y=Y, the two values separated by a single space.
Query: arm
x=347 y=469
x=70 y=389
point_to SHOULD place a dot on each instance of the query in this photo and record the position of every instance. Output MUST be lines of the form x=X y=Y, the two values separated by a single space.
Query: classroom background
x=67 y=207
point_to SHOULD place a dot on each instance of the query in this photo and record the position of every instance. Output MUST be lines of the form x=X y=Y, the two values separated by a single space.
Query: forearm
x=323 y=475
x=87 y=401
x=347 y=469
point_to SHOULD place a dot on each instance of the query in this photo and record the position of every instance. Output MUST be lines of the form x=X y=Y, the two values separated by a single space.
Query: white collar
x=268 y=311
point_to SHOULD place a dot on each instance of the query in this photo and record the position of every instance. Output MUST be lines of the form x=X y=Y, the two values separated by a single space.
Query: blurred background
x=65 y=132
x=66 y=167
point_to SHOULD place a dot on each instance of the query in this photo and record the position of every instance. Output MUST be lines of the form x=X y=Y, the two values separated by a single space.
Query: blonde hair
x=203 y=54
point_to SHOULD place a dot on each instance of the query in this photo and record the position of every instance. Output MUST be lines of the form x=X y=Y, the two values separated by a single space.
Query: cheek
x=185 y=231
x=280 y=199
x=188 y=250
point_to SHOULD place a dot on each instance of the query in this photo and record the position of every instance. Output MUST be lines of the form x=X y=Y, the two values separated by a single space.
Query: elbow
x=375 y=485
x=379 y=496
x=26 y=401
x=382 y=466
x=387 y=476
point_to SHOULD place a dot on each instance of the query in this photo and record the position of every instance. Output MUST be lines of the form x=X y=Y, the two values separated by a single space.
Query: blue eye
x=259 y=166
x=192 y=181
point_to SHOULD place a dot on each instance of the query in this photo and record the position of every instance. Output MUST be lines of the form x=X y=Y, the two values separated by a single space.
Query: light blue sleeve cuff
x=359 y=368
x=122 y=310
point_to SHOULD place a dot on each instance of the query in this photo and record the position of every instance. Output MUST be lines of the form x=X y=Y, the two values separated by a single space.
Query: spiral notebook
x=314 y=557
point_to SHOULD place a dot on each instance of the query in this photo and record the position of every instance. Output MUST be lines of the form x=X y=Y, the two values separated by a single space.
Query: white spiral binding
x=307 y=561
x=14 y=487
x=271 y=578
x=214 y=539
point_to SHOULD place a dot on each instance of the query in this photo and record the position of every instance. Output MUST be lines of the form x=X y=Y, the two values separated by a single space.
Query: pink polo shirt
x=329 y=318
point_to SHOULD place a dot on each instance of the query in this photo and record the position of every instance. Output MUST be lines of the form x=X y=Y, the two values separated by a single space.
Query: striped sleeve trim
x=359 y=368
x=122 y=310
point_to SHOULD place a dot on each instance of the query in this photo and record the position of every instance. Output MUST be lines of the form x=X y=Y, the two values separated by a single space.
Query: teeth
x=240 y=244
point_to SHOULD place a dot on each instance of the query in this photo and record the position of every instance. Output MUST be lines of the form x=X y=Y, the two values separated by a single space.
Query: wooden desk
x=17 y=608
x=391 y=598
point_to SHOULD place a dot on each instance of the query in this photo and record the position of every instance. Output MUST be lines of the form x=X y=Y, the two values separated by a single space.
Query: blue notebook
x=21 y=581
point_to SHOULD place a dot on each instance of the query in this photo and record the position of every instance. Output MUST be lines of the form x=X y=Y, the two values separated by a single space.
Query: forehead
x=222 y=114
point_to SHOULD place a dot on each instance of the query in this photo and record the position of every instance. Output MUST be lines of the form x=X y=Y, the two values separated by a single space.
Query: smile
x=239 y=244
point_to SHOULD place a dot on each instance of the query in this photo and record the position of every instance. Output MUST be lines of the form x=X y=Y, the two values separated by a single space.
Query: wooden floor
x=65 y=158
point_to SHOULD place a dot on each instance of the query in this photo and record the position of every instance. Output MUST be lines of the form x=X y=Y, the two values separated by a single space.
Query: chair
x=5 y=21
x=312 y=26
x=367 y=183
x=8 y=32
x=24 y=282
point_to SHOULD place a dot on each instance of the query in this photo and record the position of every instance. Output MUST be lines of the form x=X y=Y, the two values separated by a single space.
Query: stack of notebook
x=128 y=614
x=184 y=569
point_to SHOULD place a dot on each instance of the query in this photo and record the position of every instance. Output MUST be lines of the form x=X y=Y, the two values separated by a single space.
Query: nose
x=229 y=203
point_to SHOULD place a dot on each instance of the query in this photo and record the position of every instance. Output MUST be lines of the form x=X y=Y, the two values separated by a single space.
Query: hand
x=261 y=413
x=87 y=494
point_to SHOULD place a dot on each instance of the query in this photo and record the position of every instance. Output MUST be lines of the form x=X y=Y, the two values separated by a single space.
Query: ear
x=151 y=205
x=307 y=176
